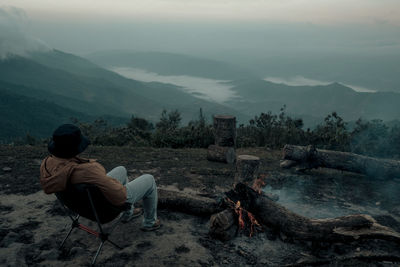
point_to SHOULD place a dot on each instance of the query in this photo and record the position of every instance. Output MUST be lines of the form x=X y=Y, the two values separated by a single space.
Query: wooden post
x=225 y=130
x=225 y=140
x=246 y=169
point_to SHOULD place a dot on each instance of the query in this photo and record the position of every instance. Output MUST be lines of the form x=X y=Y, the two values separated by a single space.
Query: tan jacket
x=55 y=173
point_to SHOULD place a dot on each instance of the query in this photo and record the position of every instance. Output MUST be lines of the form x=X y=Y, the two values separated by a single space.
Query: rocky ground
x=33 y=224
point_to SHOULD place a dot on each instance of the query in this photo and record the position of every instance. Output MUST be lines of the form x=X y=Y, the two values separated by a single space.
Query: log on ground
x=341 y=229
x=375 y=167
x=223 y=225
x=187 y=203
x=221 y=154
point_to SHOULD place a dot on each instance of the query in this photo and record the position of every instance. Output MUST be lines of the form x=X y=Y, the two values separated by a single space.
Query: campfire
x=246 y=219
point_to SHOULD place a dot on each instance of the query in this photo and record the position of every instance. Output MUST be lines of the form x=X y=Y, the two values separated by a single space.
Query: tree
x=332 y=134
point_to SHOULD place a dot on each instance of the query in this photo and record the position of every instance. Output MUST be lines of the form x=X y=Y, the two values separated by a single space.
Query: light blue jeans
x=144 y=187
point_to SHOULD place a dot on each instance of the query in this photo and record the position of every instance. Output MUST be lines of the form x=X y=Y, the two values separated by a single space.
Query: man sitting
x=63 y=166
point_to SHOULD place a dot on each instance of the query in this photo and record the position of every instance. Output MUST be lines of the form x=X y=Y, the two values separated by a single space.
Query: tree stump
x=221 y=154
x=246 y=169
x=225 y=130
x=225 y=140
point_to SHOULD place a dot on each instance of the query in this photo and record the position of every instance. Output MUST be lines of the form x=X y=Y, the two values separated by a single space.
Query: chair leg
x=97 y=253
x=114 y=244
x=65 y=238
x=73 y=225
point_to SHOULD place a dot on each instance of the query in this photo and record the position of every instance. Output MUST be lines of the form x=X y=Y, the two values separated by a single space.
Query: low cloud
x=303 y=81
x=15 y=38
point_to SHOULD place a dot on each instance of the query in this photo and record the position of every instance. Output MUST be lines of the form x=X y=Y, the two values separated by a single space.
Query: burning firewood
x=294 y=226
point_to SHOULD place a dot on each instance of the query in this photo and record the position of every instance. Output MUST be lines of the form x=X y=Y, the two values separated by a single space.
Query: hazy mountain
x=170 y=64
x=78 y=85
x=75 y=87
x=26 y=110
x=92 y=89
x=313 y=102
x=20 y=115
x=373 y=69
x=256 y=95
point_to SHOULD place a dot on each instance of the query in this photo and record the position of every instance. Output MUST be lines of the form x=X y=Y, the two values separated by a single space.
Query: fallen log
x=312 y=157
x=221 y=154
x=367 y=257
x=297 y=227
x=188 y=203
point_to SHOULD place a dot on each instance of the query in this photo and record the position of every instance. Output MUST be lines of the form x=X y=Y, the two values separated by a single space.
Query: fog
x=15 y=37
x=302 y=81
x=210 y=89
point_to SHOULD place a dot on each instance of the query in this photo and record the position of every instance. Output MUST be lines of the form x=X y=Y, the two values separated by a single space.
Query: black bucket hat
x=67 y=141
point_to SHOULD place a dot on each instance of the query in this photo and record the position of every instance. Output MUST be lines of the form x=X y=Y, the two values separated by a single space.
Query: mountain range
x=44 y=89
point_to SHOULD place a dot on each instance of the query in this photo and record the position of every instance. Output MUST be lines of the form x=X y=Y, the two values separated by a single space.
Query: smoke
x=15 y=38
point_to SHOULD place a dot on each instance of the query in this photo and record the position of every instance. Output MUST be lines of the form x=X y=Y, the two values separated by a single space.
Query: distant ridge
x=86 y=90
x=171 y=64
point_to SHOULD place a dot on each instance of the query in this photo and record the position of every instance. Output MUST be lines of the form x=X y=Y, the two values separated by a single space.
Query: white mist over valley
x=215 y=90
x=299 y=80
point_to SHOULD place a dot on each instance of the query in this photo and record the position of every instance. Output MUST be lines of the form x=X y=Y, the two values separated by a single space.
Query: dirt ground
x=33 y=224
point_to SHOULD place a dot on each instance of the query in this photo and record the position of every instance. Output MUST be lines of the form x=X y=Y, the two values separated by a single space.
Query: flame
x=239 y=212
x=241 y=218
x=253 y=223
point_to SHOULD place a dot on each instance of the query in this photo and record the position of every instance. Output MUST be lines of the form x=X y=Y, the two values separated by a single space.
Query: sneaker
x=155 y=226
x=127 y=216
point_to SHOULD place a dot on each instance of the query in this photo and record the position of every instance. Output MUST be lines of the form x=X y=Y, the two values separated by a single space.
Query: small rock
x=378 y=203
x=77 y=251
x=241 y=252
x=358 y=249
x=49 y=254
x=225 y=262
x=7 y=169
x=10 y=238
x=286 y=164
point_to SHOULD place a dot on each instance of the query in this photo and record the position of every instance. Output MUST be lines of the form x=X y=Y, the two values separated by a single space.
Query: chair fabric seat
x=76 y=198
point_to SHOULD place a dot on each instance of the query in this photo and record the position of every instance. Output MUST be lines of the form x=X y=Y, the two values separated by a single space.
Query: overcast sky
x=278 y=37
x=314 y=11
x=212 y=28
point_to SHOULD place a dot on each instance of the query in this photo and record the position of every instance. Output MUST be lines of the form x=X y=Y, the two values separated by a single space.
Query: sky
x=311 y=11
x=208 y=26
x=266 y=35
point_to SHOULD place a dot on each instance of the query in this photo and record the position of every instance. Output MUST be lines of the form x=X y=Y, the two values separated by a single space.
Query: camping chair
x=88 y=201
